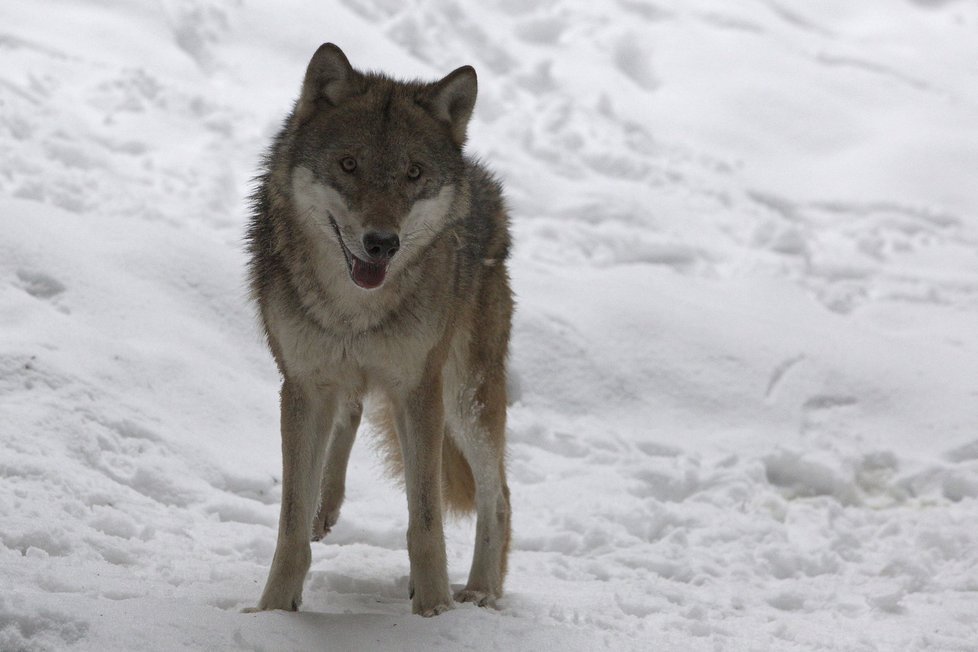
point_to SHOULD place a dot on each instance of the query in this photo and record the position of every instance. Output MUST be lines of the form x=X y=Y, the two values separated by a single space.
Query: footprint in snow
x=40 y=285
x=633 y=59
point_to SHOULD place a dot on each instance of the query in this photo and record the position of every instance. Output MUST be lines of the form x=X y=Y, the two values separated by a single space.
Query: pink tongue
x=368 y=275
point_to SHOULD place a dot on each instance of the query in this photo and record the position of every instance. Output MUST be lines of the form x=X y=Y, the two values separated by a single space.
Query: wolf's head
x=376 y=162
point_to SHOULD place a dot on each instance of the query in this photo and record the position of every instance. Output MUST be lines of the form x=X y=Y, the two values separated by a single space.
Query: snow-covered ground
x=745 y=397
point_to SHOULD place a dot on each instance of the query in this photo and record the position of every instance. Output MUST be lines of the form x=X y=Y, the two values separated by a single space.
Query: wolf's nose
x=380 y=245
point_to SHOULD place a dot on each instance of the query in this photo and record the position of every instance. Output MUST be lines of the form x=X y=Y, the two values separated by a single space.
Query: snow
x=744 y=407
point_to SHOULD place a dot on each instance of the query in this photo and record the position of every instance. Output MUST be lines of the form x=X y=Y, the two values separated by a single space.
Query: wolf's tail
x=458 y=484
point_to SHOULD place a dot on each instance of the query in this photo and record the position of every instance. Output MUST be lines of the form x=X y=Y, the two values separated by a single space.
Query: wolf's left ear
x=452 y=100
x=329 y=77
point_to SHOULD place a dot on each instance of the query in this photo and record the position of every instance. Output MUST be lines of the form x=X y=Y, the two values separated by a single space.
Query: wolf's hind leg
x=482 y=443
x=334 y=474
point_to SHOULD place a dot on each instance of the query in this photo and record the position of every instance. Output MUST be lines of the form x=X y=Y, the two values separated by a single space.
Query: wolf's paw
x=294 y=606
x=324 y=522
x=319 y=531
x=479 y=598
x=432 y=606
x=434 y=610
x=278 y=596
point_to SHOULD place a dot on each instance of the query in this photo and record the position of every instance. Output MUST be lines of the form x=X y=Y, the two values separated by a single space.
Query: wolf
x=378 y=263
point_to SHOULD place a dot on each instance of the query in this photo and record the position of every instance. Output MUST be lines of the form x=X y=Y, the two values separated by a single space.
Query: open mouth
x=367 y=275
x=364 y=274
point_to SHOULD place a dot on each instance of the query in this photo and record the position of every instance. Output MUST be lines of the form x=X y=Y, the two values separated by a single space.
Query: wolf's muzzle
x=380 y=247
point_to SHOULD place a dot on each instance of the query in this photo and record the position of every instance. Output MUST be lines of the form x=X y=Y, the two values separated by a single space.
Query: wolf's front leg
x=420 y=428
x=306 y=418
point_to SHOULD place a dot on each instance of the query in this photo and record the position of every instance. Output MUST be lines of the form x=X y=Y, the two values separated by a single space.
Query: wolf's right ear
x=329 y=77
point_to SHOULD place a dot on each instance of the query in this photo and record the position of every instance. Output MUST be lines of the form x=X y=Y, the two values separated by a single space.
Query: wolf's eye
x=414 y=171
x=348 y=163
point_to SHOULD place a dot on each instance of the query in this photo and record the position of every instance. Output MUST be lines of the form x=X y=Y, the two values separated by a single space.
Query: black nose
x=380 y=245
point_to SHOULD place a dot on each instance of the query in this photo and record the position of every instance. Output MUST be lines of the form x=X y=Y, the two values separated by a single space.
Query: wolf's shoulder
x=488 y=218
